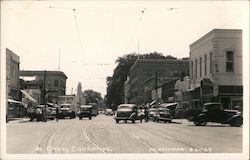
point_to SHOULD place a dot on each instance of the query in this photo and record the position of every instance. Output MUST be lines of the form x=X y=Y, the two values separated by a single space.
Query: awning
x=28 y=96
x=17 y=102
x=152 y=103
x=28 y=78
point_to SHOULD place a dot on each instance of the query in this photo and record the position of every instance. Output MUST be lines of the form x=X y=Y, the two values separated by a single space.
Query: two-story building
x=215 y=69
x=55 y=82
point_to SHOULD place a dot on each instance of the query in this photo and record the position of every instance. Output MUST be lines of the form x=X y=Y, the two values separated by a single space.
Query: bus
x=94 y=109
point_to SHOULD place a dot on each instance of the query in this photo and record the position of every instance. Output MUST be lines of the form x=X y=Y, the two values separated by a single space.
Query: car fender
x=132 y=115
x=202 y=115
x=234 y=117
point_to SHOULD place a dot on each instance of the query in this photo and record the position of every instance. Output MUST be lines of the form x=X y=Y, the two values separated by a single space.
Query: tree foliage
x=115 y=89
x=91 y=96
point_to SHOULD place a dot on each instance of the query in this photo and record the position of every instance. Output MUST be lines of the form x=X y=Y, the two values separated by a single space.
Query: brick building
x=144 y=72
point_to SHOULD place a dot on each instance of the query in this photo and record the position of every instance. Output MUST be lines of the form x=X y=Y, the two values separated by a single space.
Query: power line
x=137 y=26
x=78 y=32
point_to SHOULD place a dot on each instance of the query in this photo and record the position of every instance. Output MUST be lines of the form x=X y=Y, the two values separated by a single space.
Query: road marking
x=144 y=143
x=88 y=139
x=49 y=143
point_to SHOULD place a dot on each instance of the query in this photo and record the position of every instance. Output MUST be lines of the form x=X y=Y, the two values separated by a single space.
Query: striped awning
x=17 y=102
x=28 y=96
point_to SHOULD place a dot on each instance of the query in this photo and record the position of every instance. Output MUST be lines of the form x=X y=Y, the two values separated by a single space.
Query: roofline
x=41 y=72
x=155 y=60
x=212 y=32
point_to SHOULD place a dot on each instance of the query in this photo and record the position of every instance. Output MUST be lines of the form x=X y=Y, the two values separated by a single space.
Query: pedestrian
x=140 y=115
x=38 y=114
x=44 y=114
x=57 y=113
x=146 y=114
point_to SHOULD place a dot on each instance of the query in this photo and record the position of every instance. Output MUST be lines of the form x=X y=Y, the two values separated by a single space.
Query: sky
x=84 y=38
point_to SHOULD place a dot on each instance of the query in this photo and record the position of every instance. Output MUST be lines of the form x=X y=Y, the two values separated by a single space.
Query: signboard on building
x=207 y=87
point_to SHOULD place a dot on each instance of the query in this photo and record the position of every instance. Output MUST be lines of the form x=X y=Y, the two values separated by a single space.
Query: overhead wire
x=137 y=27
x=78 y=32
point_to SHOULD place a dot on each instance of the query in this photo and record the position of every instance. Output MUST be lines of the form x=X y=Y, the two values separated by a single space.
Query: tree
x=92 y=96
x=115 y=89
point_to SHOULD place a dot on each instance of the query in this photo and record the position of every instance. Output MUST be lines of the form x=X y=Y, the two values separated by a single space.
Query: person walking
x=146 y=114
x=57 y=113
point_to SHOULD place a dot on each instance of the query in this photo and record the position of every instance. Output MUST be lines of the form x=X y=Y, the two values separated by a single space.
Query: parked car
x=152 y=112
x=85 y=111
x=109 y=112
x=174 y=109
x=162 y=114
x=126 y=112
x=214 y=112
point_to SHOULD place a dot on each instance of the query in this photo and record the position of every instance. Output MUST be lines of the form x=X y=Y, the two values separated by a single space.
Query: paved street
x=103 y=135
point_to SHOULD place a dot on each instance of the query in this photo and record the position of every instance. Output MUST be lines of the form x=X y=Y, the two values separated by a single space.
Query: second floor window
x=200 y=67
x=56 y=83
x=205 y=64
x=229 y=61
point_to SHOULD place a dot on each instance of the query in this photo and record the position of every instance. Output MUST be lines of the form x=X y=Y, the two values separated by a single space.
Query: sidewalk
x=18 y=120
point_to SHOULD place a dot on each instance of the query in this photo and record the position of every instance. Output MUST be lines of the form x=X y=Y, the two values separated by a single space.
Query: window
x=56 y=83
x=196 y=68
x=200 y=67
x=205 y=64
x=192 y=70
x=229 y=61
x=210 y=61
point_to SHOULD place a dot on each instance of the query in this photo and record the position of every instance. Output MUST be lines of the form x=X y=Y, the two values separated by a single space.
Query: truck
x=66 y=110
x=94 y=109
x=214 y=112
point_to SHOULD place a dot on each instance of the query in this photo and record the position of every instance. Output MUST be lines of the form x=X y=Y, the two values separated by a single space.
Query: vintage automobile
x=126 y=112
x=162 y=114
x=85 y=111
x=41 y=115
x=66 y=110
x=152 y=112
x=174 y=108
x=214 y=112
x=109 y=112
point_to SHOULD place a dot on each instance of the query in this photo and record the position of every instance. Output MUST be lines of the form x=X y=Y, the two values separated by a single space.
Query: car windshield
x=124 y=108
x=65 y=106
x=213 y=107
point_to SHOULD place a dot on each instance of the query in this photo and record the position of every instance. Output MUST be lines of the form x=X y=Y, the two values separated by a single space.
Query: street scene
x=124 y=78
x=102 y=135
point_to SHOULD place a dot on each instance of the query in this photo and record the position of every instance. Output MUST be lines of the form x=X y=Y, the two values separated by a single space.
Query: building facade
x=12 y=74
x=216 y=69
x=55 y=82
x=68 y=99
x=14 y=108
x=148 y=74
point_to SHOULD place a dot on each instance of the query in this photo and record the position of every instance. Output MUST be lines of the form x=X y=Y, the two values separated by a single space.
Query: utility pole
x=44 y=89
x=156 y=94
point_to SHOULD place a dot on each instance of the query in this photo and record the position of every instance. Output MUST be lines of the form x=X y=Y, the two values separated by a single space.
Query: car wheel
x=90 y=118
x=133 y=120
x=237 y=122
x=201 y=122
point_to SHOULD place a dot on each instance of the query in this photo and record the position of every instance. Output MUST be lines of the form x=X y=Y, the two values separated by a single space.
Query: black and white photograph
x=124 y=79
